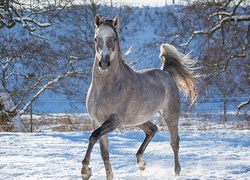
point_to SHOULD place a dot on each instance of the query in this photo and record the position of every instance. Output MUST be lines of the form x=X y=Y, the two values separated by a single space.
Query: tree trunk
x=10 y=119
x=225 y=109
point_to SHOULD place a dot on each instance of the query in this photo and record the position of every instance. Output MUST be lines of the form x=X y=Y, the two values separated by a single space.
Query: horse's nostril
x=108 y=64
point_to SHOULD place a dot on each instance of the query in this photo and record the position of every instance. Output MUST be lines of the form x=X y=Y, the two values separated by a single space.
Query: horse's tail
x=181 y=68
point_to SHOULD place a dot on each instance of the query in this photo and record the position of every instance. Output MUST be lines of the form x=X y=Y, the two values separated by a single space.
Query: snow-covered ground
x=215 y=154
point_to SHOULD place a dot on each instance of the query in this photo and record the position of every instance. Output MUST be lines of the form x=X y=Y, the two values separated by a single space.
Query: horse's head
x=105 y=40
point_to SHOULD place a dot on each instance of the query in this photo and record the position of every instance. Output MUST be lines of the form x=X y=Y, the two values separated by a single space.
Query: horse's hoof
x=141 y=165
x=86 y=173
x=177 y=170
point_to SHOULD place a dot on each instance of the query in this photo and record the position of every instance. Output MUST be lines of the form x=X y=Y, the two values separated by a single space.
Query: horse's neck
x=117 y=74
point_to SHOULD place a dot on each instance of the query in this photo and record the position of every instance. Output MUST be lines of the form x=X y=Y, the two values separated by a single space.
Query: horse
x=119 y=96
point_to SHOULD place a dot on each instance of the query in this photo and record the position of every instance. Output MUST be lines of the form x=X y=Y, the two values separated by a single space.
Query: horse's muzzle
x=104 y=63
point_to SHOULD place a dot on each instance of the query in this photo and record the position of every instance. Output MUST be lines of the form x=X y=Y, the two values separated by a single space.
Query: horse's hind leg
x=105 y=156
x=150 y=130
x=172 y=124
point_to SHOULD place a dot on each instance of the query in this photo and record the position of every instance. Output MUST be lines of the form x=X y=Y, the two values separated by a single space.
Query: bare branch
x=224 y=17
x=10 y=15
x=38 y=82
x=240 y=106
x=218 y=26
x=195 y=33
x=46 y=86
x=219 y=14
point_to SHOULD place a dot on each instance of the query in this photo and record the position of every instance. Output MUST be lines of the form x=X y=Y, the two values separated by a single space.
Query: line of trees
x=40 y=57
x=218 y=34
x=225 y=34
x=52 y=51
x=31 y=65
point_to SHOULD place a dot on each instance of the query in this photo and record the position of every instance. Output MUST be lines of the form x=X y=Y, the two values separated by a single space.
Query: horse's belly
x=142 y=114
x=137 y=120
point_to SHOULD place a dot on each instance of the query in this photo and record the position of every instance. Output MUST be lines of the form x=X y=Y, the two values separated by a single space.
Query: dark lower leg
x=173 y=130
x=105 y=156
x=175 y=147
x=86 y=171
x=149 y=129
x=109 y=125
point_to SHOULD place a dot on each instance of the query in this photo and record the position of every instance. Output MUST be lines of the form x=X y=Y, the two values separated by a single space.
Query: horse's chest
x=106 y=100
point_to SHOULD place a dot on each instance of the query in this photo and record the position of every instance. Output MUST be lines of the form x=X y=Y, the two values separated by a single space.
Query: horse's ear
x=97 y=20
x=116 y=21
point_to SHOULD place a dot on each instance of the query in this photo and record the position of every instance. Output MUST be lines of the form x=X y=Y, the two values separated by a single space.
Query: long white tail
x=181 y=68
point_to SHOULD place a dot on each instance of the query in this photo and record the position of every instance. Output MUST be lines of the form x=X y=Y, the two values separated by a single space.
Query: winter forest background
x=47 y=51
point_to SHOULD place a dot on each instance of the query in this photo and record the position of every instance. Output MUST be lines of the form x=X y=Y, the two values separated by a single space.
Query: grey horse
x=119 y=96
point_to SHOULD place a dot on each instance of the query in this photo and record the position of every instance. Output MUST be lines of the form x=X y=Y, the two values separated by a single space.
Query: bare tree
x=31 y=67
x=58 y=63
x=224 y=35
x=13 y=12
x=20 y=79
x=218 y=34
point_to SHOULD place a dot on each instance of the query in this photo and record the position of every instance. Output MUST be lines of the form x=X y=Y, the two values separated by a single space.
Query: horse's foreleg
x=150 y=130
x=109 y=125
x=105 y=156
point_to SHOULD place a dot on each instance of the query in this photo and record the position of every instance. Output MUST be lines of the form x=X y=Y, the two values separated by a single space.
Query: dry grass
x=58 y=122
x=82 y=122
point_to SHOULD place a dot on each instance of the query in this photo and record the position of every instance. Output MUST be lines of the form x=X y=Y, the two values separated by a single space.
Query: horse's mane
x=121 y=56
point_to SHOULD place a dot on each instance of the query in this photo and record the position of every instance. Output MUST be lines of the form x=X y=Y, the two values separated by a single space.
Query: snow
x=215 y=154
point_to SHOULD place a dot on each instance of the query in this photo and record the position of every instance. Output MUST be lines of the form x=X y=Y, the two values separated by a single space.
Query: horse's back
x=162 y=78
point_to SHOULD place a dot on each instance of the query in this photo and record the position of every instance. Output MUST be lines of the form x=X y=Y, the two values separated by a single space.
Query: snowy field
x=214 y=154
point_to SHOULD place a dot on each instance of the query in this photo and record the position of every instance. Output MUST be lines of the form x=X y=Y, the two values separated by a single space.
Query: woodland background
x=47 y=51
